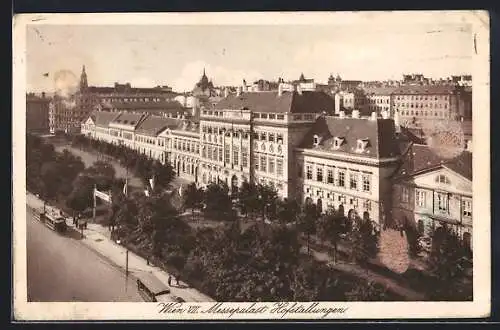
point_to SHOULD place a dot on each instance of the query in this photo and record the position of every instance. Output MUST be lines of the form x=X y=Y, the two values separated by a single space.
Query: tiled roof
x=379 y=90
x=103 y=118
x=379 y=134
x=131 y=119
x=187 y=125
x=421 y=158
x=144 y=106
x=307 y=102
x=153 y=125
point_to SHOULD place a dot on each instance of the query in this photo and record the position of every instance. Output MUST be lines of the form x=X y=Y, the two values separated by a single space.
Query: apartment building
x=348 y=162
x=37 y=113
x=430 y=191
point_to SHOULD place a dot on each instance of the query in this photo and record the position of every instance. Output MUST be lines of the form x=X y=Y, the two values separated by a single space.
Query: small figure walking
x=177 y=277
x=169 y=280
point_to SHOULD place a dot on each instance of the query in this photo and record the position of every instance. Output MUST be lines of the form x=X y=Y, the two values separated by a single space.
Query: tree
x=163 y=174
x=448 y=261
x=363 y=240
x=330 y=229
x=267 y=200
x=50 y=180
x=288 y=211
x=217 y=201
x=307 y=222
x=103 y=174
x=193 y=197
x=248 y=198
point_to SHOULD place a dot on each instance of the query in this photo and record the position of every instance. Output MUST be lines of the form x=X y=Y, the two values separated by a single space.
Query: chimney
x=355 y=113
x=374 y=116
x=385 y=115
x=342 y=114
x=280 y=89
x=299 y=89
x=245 y=87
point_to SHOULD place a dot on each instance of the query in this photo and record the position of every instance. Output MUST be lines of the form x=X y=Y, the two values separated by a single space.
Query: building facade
x=67 y=113
x=348 y=162
x=430 y=191
x=37 y=113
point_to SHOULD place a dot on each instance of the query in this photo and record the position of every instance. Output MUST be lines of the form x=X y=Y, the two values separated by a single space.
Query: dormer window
x=338 y=142
x=361 y=145
x=316 y=140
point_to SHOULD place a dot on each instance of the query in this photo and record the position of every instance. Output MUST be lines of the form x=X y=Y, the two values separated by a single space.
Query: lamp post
x=126 y=257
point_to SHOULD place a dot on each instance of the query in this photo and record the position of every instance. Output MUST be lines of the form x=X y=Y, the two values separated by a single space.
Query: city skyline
x=176 y=55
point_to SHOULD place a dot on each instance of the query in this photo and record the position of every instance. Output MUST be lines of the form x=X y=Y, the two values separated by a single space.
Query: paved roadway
x=60 y=268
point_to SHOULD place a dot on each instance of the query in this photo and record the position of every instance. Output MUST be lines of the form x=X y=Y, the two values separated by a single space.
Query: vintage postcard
x=236 y=166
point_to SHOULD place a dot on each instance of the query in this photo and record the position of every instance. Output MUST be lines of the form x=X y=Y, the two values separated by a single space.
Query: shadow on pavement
x=73 y=233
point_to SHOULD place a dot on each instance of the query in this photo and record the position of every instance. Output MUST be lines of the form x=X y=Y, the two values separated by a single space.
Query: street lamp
x=126 y=257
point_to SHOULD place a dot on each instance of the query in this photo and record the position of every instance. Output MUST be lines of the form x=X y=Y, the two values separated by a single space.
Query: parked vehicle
x=55 y=222
x=152 y=289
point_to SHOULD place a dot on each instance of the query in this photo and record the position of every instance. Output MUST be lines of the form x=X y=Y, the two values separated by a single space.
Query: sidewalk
x=98 y=239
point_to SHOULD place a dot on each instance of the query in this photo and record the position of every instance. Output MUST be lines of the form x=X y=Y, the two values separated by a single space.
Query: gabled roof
x=154 y=125
x=307 y=102
x=421 y=158
x=103 y=118
x=379 y=133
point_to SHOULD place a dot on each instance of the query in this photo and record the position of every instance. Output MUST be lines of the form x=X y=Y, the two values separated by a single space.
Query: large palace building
x=289 y=138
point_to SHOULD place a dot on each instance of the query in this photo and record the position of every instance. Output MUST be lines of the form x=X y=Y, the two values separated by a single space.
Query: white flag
x=152 y=183
x=125 y=188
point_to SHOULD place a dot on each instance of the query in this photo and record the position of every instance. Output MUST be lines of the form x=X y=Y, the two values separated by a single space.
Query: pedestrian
x=177 y=279
x=169 y=280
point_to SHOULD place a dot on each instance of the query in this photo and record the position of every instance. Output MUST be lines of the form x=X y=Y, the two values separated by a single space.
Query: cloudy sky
x=175 y=55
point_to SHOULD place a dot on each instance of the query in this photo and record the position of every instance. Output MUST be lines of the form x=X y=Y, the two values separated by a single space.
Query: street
x=60 y=268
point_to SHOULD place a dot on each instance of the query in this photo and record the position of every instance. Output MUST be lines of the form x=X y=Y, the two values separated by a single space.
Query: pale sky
x=175 y=55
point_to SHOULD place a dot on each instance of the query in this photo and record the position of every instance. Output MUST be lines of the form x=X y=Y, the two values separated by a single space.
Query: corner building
x=348 y=162
x=253 y=136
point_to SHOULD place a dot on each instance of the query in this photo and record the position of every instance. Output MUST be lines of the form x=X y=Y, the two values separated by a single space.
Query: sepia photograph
x=251 y=165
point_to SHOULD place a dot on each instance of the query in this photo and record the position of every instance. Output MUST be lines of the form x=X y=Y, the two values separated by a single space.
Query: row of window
x=442 y=201
x=344 y=199
x=185 y=145
x=425 y=113
x=421 y=97
x=272 y=116
x=379 y=101
x=304 y=117
x=268 y=136
x=422 y=105
x=340 y=179
x=133 y=99
x=268 y=164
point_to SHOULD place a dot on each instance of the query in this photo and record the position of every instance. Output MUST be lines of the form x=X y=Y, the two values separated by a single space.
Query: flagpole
x=95 y=202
